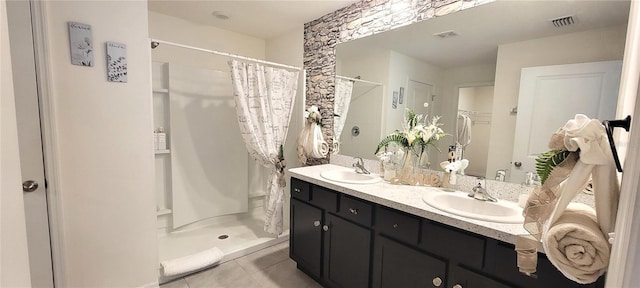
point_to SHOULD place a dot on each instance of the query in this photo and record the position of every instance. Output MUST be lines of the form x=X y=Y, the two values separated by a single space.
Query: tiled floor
x=267 y=268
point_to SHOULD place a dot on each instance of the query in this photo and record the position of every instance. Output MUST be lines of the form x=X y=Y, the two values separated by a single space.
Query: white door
x=14 y=254
x=31 y=158
x=419 y=97
x=559 y=92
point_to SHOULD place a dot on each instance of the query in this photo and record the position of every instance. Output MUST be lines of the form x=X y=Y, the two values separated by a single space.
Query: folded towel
x=191 y=262
x=576 y=246
x=311 y=143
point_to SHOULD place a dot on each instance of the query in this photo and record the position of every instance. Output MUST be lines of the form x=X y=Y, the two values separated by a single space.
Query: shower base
x=236 y=238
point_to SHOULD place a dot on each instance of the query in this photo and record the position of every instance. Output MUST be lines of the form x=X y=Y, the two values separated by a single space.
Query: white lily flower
x=410 y=138
x=427 y=135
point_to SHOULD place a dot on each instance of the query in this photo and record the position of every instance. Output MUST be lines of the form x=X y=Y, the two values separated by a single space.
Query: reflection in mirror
x=354 y=125
x=475 y=104
x=439 y=60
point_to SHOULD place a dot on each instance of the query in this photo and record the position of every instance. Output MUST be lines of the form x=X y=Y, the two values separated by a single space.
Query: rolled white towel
x=576 y=246
x=191 y=262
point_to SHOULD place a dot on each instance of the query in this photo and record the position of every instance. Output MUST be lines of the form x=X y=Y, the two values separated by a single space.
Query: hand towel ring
x=608 y=126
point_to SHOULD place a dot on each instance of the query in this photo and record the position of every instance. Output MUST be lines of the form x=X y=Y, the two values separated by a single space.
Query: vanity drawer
x=324 y=198
x=300 y=189
x=454 y=244
x=356 y=210
x=397 y=225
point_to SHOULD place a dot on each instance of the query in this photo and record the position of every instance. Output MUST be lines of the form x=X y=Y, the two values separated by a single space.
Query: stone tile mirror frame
x=359 y=20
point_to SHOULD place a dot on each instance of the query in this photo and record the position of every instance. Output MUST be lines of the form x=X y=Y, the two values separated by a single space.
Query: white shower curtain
x=342 y=100
x=264 y=101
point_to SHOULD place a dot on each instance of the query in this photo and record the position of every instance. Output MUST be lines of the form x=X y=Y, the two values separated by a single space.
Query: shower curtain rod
x=226 y=54
x=358 y=80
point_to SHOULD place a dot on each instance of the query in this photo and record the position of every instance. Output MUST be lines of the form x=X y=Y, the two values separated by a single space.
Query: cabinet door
x=547 y=275
x=347 y=253
x=397 y=265
x=306 y=237
x=462 y=278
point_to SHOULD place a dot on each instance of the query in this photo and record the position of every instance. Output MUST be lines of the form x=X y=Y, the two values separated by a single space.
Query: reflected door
x=559 y=92
x=419 y=97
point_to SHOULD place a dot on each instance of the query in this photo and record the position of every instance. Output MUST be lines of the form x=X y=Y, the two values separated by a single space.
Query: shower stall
x=210 y=193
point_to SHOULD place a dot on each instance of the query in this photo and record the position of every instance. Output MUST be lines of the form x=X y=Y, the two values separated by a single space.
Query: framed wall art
x=116 y=62
x=80 y=44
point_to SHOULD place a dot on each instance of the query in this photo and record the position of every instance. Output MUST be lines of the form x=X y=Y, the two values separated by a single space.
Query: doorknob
x=29 y=186
x=518 y=164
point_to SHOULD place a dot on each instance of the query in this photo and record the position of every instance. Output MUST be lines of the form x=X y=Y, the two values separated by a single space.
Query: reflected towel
x=464 y=130
x=191 y=262
x=576 y=245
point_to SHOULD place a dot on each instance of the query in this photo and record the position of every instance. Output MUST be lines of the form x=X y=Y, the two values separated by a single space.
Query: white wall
x=180 y=31
x=447 y=98
x=106 y=154
x=14 y=258
x=371 y=65
x=402 y=69
x=478 y=99
x=288 y=49
x=589 y=46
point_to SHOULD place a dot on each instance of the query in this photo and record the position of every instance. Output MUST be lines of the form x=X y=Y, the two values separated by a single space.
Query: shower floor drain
x=223 y=237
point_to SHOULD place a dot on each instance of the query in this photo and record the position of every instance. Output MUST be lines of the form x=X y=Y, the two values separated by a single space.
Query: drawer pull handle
x=457 y=286
x=353 y=211
x=297 y=190
x=437 y=281
x=325 y=228
x=316 y=223
x=396 y=226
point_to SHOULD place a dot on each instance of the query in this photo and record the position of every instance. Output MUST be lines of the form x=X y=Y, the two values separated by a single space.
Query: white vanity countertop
x=408 y=199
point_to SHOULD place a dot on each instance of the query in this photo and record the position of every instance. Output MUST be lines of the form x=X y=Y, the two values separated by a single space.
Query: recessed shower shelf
x=163 y=211
x=165 y=151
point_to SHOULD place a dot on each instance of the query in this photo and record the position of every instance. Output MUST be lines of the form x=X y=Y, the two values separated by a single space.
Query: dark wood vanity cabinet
x=331 y=238
x=398 y=265
x=347 y=252
x=460 y=277
x=343 y=241
x=306 y=243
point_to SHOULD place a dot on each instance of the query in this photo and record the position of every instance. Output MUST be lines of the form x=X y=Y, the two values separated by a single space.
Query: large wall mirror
x=511 y=72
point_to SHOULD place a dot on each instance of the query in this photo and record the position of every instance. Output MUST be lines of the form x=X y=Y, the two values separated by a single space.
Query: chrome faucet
x=480 y=193
x=359 y=165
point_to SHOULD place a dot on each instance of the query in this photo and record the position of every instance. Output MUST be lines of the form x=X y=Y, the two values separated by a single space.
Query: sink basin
x=460 y=204
x=350 y=176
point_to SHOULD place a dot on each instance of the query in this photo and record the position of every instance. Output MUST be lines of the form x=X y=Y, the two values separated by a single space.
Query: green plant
x=393 y=138
x=549 y=160
x=414 y=133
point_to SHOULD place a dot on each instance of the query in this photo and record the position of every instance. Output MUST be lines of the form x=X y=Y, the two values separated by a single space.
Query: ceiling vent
x=563 y=21
x=446 y=34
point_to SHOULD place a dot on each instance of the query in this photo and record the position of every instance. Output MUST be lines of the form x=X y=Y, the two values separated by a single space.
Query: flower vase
x=409 y=161
x=409 y=168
